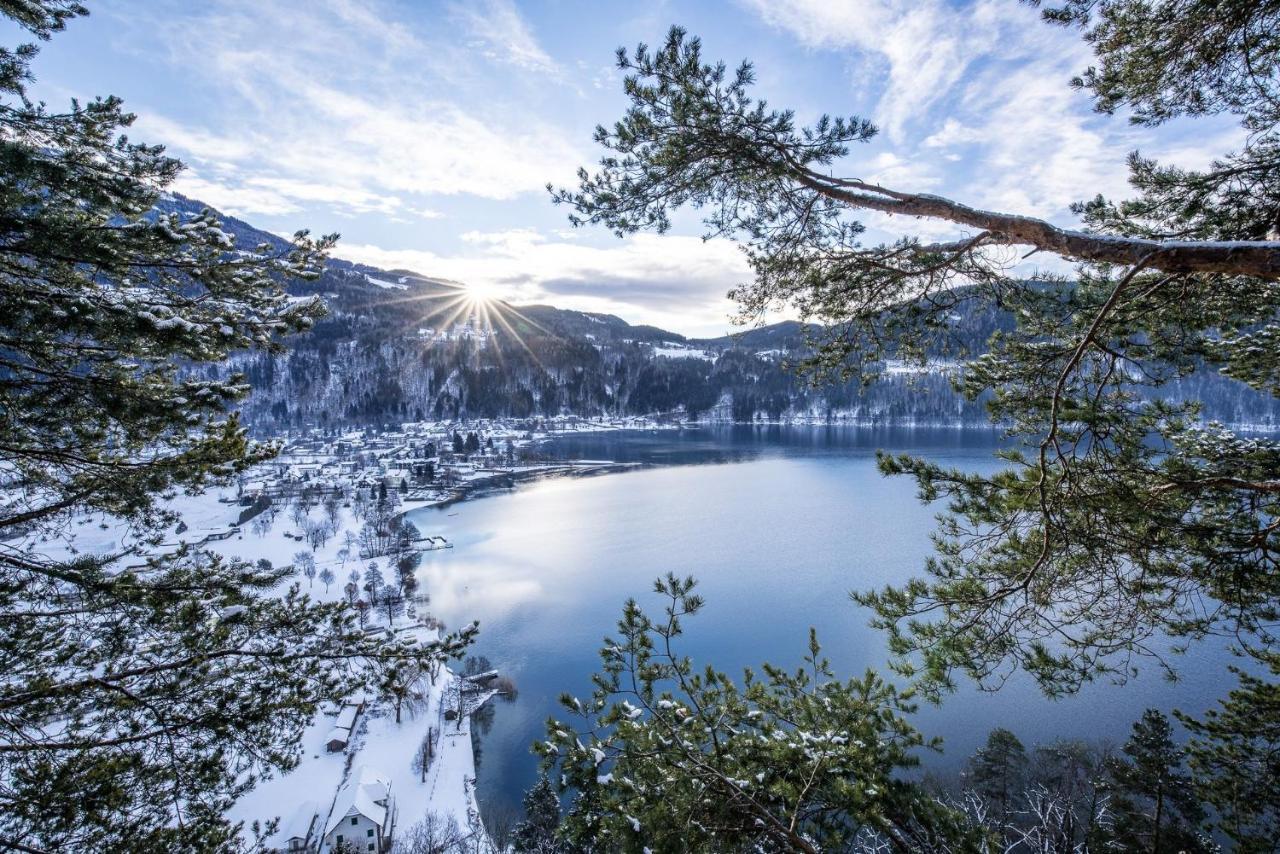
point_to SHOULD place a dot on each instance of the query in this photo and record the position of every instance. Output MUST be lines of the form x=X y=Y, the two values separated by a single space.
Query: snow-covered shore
x=302 y=799
x=379 y=743
x=313 y=484
x=267 y=516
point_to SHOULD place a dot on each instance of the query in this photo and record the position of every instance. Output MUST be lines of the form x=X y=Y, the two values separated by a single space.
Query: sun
x=481 y=305
x=482 y=292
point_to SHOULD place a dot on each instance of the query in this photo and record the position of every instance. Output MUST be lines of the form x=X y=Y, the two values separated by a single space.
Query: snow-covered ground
x=898 y=367
x=680 y=351
x=305 y=796
x=286 y=798
x=382 y=745
x=384 y=284
x=379 y=742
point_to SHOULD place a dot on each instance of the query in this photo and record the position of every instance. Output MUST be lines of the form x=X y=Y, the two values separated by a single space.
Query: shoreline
x=502 y=481
x=498 y=482
x=459 y=796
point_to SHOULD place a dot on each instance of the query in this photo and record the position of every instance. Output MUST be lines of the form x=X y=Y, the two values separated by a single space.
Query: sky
x=426 y=132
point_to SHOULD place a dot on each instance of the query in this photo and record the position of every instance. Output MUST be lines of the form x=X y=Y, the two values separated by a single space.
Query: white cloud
x=1039 y=152
x=348 y=111
x=974 y=100
x=952 y=133
x=925 y=46
x=240 y=201
x=344 y=108
x=496 y=26
x=891 y=170
x=665 y=280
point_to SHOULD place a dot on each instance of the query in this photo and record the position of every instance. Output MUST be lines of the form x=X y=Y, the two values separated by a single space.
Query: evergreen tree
x=673 y=758
x=998 y=770
x=536 y=834
x=136 y=704
x=1119 y=514
x=1234 y=754
x=1152 y=795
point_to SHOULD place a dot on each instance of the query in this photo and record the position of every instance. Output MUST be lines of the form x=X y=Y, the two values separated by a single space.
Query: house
x=363 y=813
x=343 y=727
x=299 y=831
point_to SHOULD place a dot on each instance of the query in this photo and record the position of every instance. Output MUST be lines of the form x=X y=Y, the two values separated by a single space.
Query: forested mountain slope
x=397 y=345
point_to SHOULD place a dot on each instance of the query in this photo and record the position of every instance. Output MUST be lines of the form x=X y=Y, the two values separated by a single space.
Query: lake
x=778 y=524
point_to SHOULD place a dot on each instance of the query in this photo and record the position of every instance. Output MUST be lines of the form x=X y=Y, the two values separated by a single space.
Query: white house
x=297 y=833
x=363 y=813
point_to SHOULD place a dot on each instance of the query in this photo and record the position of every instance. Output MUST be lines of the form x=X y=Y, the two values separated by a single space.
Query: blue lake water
x=778 y=524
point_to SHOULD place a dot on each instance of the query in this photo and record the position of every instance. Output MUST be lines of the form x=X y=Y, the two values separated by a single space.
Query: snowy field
x=318 y=792
x=378 y=743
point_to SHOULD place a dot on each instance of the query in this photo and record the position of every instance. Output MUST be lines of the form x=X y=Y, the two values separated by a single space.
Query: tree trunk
x=1155 y=831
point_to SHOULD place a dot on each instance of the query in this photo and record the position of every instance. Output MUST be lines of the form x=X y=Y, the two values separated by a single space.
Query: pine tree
x=1234 y=754
x=1119 y=514
x=998 y=771
x=1152 y=795
x=137 y=703
x=536 y=834
x=674 y=758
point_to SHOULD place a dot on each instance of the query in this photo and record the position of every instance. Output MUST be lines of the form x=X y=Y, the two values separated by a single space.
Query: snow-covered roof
x=346 y=717
x=299 y=824
x=361 y=794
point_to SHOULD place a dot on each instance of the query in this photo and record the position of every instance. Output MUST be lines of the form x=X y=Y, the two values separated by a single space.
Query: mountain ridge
x=399 y=345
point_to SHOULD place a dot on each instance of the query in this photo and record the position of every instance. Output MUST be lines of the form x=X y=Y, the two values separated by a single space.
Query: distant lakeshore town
x=426 y=462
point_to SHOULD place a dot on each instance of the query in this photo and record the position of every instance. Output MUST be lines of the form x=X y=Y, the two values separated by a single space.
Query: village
x=376 y=779
x=426 y=462
x=380 y=771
